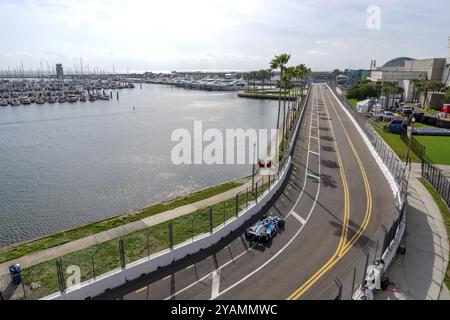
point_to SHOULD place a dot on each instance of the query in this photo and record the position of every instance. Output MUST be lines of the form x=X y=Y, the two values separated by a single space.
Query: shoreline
x=264 y=96
x=120 y=216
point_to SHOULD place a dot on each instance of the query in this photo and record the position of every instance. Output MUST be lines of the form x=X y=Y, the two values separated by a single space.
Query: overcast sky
x=217 y=34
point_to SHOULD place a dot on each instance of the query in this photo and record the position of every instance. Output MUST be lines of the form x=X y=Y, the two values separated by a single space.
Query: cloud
x=220 y=34
x=316 y=52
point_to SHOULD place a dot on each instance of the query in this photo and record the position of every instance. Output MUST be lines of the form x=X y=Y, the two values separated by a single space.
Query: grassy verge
x=438 y=148
x=353 y=102
x=89 y=229
x=445 y=214
x=394 y=141
x=137 y=245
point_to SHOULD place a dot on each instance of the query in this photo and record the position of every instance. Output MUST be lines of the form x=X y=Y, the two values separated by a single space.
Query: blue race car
x=264 y=229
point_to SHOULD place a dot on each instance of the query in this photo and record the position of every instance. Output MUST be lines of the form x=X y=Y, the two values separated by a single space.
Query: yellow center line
x=346 y=218
x=368 y=212
x=341 y=251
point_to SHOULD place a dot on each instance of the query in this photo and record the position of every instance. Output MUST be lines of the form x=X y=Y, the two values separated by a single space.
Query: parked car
x=385 y=116
x=406 y=110
x=395 y=126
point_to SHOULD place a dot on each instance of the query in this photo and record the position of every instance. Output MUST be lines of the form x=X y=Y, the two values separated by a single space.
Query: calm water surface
x=62 y=165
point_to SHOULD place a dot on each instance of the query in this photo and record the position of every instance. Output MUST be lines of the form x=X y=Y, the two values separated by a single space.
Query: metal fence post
x=23 y=288
x=375 y=255
x=438 y=188
x=93 y=266
x=237 y=204
x=193 y=219
x=353 y=284
x=256 y=190
x=170 y=226
x=60 y=275
x=384 y=239
x=339 y=285
x=210 y=220
x=448 y=194
x=246 y=200
x=365 y=265
x=122 y=254
x=224 y=214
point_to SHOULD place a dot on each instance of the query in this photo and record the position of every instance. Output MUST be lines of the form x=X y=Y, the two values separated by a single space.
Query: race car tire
x=281 y=224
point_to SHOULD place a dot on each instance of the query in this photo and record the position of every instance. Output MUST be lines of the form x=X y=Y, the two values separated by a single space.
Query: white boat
x=72 y=98
x=3 y=103
x=40 y=101
x=15 y=102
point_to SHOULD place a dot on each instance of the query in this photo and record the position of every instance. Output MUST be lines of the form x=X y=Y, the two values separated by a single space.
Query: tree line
x=366 y=89
x=291 y=82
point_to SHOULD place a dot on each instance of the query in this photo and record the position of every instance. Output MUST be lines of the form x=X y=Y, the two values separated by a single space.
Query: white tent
x=363 y=106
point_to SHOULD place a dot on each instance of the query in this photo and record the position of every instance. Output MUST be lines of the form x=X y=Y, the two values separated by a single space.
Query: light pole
x=410 y=136
x=254 y=162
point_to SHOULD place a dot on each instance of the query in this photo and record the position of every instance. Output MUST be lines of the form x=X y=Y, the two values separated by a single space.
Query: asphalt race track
x=335 y=202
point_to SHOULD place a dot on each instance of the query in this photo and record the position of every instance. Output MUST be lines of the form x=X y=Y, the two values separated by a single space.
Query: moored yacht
x=72 y=98
x=40 y=100
x=15 y=102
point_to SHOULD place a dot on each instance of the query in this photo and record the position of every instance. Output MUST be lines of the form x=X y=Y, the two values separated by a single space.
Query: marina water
x=63 y=165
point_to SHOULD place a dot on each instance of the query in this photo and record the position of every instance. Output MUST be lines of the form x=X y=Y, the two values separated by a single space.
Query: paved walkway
x=445 y=169
x=52 y=253
x=419 y=274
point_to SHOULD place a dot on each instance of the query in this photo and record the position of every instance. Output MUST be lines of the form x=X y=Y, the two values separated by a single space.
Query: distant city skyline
x=138 y=35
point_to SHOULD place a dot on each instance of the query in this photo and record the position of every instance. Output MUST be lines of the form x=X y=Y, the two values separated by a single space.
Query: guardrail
x=98 y=284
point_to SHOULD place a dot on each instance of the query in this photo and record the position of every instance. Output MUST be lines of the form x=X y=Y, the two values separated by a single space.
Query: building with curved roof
x=397 y=62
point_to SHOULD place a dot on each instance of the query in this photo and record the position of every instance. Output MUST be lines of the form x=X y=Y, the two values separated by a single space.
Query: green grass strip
x=394 y=141
x=137 y=245
x=90 y=229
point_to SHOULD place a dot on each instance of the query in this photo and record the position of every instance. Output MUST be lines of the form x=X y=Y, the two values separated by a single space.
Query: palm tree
x=419 y=88
x=286 y=81
x=303 y=74
x=388 y=90
x=279 y=62
x=426 y=88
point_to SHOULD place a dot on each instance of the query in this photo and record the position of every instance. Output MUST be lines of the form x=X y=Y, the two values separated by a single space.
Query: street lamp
x=254 y=162
x=410 y=136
